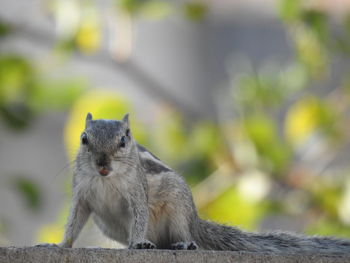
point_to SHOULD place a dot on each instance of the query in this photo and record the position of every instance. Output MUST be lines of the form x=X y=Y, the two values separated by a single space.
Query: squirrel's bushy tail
x=214 y=236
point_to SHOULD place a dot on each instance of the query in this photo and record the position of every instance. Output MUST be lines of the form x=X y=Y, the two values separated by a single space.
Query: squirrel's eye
x=122 y=141
x=84 y=139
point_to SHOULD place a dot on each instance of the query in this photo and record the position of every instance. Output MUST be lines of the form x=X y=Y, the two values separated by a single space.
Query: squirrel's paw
x=184 y=246
x=47 y=245
x=145 y=244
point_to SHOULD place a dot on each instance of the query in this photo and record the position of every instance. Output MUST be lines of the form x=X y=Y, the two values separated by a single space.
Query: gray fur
x=143 y=203
x=142 y=149
x=153 y=167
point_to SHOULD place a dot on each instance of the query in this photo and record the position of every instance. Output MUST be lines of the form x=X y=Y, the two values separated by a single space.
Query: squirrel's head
x=105 y=141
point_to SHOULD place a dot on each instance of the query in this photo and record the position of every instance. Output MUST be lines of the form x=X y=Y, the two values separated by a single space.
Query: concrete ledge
x=80 y=255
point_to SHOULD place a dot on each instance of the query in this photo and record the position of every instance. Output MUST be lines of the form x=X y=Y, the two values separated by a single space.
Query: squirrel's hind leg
x=179 y=231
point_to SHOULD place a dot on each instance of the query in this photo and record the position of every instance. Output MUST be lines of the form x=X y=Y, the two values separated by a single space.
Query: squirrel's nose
x=104 y=171
x=103 y=165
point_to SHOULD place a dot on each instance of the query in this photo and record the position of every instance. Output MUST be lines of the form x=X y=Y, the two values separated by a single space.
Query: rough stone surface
x=42 y=254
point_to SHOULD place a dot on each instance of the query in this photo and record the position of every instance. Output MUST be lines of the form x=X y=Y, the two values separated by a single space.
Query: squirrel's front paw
x=145 y=244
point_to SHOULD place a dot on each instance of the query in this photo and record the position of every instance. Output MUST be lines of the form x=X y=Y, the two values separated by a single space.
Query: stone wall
x=97 y=255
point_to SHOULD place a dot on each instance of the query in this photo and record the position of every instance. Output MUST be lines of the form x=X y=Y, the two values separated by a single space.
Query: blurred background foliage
x=272 y=158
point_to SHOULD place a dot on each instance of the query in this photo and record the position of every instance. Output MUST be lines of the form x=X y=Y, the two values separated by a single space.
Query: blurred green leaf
x=263 y=133
x=231 y=208
x=347 y=23
x=131 y=6
x=260 y=90
x=156 y=9
x=260 y=129
x=326 y=197
x=204 y=139
x=346 y=85
x=23 y=93
x=317 y=21
x=56 y=94
x=169 y=137
x=16 y=115
x=65 y=46
x=5 y=29
x=341 y=41
x=16 y=78
x=341 y=45
x=290 y=10
x=196 y=169
x=294 y=78
x=310 y=51
x=309 y=115
x=29 y=191
x=195 y=11
x=88 y=37
x=328 y=227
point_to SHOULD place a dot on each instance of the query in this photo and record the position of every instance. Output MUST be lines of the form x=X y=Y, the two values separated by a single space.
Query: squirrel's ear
x=88 y=119
x=126 y=119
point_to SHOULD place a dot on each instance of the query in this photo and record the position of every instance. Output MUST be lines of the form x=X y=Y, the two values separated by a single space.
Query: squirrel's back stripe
x=151 y=163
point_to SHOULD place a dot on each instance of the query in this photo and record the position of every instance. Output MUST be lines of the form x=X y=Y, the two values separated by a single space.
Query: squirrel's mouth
x=104 y=171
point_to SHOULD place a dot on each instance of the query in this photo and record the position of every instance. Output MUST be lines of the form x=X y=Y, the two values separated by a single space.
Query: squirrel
x=139 y=201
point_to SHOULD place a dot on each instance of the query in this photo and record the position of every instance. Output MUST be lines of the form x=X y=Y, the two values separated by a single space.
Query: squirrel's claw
x=184 y=246
x=143 y=245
